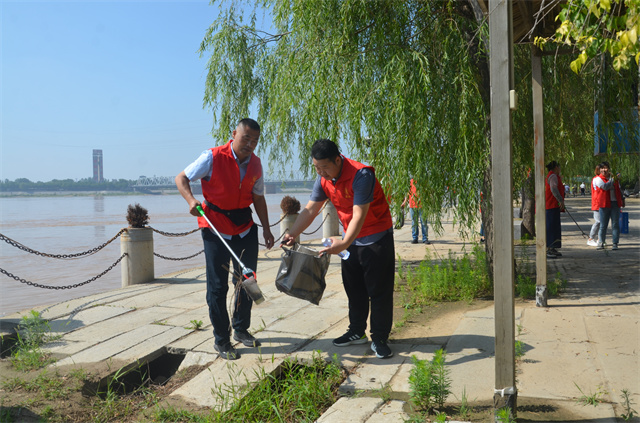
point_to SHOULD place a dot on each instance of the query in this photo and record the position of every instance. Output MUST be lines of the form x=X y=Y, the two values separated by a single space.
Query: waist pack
x=302 y=273
x=238 y=217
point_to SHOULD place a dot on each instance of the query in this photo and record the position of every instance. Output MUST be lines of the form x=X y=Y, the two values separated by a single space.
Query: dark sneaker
x=246 y=338
x=556 y=252
x=614 y=247
x=426 y=241
x=350 y=338
x=550 y=254
x=600 y=246
x=381 y=349
x=414 y=241
x=226 y=351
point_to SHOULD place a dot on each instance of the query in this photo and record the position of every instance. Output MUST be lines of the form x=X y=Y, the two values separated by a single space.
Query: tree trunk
x=528 y=225
x=472 y=10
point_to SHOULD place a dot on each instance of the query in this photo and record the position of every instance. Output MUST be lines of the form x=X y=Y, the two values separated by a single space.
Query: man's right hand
x=193 y=207
x=288 y=240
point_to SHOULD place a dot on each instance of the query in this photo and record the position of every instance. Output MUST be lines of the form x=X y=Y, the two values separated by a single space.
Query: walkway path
x=588 y=337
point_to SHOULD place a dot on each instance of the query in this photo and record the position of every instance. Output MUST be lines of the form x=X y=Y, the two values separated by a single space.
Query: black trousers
x=218 y=258
x=368 y=277
x=554 y=228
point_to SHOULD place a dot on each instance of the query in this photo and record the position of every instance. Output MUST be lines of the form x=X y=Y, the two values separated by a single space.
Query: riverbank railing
x=137 y=255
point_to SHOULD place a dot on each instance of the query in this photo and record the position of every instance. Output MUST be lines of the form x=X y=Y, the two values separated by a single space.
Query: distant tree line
x=85 y=184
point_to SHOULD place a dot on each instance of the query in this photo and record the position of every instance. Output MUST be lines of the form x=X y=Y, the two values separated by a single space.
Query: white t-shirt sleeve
x=201 y=167
x=258 y=187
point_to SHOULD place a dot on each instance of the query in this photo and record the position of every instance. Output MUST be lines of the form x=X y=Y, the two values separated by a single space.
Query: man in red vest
x=369 y=271
x=609 y=200
x=416 y=215
x=554 y=204
x=231 y=178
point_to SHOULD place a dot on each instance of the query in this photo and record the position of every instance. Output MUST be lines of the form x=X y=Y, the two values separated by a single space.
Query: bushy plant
x=289 y=205
x=429 y=382
x=137 y=216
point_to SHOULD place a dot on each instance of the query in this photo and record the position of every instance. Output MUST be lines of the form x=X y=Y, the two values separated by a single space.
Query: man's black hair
x=249 y=123
x=552 y=165
x=324 y=149
x=605 y=164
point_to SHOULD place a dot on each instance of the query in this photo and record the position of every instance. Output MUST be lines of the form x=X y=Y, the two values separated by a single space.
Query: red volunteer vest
x=414 y=200
x=550 y=201
x=225 y=190
x=603 y=198
x=378 y=217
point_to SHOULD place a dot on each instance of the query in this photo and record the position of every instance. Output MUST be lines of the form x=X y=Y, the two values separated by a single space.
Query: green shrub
x=429 y=382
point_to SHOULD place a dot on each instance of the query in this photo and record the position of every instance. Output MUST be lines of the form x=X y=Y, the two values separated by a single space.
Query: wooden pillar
x=501 y=74
x=540 y=173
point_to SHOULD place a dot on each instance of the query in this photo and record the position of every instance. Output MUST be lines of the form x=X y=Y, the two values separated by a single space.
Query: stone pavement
x=587 y=338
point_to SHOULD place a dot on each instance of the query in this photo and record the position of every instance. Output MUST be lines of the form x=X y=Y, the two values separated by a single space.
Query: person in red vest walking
x=593 y=234
x=232 y=180
x=609 y=200
x=369 y=272
x=416 y=215
x=554 y=204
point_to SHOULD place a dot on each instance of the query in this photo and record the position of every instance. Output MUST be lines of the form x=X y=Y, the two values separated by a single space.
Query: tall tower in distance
x=97 y=166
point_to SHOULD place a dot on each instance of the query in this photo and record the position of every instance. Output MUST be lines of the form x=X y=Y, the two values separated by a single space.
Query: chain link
x=59 y=256
x=175 y=234
x=321 y=223
x=271 y=226
x=77 y=285
x=178 y=258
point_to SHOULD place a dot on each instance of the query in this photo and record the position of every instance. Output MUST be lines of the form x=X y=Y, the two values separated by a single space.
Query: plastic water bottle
x=327 y=242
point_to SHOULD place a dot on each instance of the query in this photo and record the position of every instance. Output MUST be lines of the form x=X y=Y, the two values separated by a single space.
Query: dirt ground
x=78 y=402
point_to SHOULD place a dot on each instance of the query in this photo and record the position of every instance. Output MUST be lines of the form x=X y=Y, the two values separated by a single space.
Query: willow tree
x=604 y=35
x=400 y=85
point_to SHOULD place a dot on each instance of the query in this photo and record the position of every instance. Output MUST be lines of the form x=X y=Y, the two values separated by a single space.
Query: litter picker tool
x=248 y=282
x=583 y=234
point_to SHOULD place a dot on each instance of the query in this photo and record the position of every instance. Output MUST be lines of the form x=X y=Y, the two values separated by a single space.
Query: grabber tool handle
x=245 y=270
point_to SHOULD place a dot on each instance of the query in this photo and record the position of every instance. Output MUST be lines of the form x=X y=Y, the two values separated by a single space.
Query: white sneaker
x=592 y=243
x=600 y=246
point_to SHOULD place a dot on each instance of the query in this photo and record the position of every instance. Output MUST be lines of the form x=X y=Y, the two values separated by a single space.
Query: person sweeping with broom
x=231 y=178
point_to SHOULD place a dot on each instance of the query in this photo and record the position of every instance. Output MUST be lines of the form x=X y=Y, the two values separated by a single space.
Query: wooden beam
x=500 y=64
x=540 y=173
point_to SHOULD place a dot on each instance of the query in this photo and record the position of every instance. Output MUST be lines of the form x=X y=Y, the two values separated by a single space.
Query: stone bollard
x=330 y=227
x=137 y=266
x=287 y=223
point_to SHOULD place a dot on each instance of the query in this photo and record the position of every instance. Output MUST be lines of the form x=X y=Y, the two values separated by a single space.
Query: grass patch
x=33 y=332
x=451 y=279
x=298 y=393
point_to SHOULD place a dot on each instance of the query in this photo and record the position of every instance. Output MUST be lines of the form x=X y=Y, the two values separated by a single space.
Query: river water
x=68 y=225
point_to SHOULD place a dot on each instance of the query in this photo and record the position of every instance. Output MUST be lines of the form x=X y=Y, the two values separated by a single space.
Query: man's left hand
x=268 y=238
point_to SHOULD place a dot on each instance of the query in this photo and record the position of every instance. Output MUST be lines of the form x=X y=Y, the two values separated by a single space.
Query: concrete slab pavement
x=588 y=337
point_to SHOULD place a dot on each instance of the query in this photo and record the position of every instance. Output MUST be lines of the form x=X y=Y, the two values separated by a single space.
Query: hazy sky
x=121 y=76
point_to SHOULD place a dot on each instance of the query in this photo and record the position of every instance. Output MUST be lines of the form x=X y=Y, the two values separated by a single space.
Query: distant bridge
x=271 y=185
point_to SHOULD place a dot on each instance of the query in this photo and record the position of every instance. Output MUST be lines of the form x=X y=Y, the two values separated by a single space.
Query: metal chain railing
x=59 y=256
x=322 y=223
x=22 y=247
x=178 y=258
x=37 y=285
x=175 y=234
x=271 y=226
